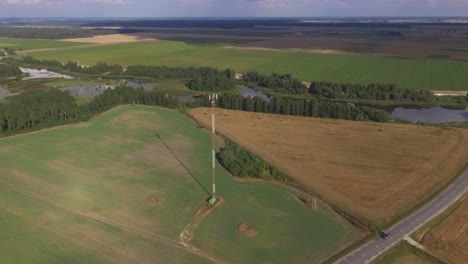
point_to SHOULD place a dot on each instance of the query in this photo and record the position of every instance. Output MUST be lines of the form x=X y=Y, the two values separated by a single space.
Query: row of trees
x=282 y=83
x=8 y=70
x=35 y=108
x=99 y=68
x=7 y=51
x=302 y=107
x=127 y=95
x=201 y=78
x=164 y=72
x=43 y=108
x=377 y=91
x=213 y=82
x=242 y=163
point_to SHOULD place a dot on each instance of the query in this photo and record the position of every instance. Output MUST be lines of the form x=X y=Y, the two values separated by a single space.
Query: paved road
x=374 y=248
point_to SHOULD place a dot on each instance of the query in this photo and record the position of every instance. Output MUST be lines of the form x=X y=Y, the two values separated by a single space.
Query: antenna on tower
x=213 y=98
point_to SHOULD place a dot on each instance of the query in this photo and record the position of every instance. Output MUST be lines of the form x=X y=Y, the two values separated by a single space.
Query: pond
x=81 y=90
x=137 y=84
x=185 y=98
x=4 y=93
x=248 y=91
x=434 y=115
x=42 y=74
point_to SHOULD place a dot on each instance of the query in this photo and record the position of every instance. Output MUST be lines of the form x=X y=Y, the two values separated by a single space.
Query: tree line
x=36 y=109
x=374 y=91
x=97 y=69
x=244 y=164
x=201 y=78
x=281 y=83
x=8 y=70
x=301 y=107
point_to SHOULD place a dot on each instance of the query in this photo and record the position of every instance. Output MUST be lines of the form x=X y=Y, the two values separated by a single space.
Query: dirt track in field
x=449 y=239
x=373 y=171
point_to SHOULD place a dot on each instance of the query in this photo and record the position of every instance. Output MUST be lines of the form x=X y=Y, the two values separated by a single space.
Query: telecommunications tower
x=213 y=98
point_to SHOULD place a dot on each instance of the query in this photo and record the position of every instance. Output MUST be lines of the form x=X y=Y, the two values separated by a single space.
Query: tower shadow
x=183 y=165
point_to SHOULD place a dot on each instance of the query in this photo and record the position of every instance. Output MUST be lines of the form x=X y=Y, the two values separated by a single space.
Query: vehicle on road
x=384 y=235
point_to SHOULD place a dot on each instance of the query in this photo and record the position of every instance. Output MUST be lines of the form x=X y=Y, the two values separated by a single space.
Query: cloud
x=233 y=8
x=52 y=2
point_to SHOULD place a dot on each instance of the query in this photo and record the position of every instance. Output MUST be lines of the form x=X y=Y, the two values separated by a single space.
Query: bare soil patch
x=449 y=239
x=113 y=38
x=246 y=230
x=155 y=200
x=374 y=171
x=187 y=235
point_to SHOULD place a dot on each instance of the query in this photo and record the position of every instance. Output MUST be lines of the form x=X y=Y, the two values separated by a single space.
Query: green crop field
x=424 y=73
x=80 y=194
x=28 y=44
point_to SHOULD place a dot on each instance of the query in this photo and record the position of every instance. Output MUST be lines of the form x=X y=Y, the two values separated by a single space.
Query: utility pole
x=213 y=98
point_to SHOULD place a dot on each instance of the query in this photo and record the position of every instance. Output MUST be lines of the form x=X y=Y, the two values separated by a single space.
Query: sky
x=231 y=8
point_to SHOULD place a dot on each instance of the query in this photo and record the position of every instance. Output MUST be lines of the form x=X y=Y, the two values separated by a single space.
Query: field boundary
x=361 y=225
x=295 y=185
x=428 y=199
x=420 y=235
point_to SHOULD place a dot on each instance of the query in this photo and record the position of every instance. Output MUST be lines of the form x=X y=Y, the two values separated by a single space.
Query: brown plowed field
x=374 y=171
x=449 y=239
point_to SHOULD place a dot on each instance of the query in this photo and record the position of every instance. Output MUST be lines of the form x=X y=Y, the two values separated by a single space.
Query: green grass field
x=78 y=194
x=435 y=74
x=28 y=44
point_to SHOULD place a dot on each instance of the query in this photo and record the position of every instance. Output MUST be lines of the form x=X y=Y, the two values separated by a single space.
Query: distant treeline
x=8 y=70
x=302 y=107
x=281 y=83
x=51 y=32
x=238 y=23
x=36 y=109
x=244 y=164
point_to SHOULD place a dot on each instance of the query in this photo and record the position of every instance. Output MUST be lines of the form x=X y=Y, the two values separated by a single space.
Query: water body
x=4 y=93
x=79 y=90
x=250 y=92
x=137 y=84
x=434 y=115
x=185 y=98
x=42 y=74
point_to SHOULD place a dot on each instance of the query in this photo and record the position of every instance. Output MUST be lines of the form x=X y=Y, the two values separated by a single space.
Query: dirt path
x=187 y=235
x=126 y=227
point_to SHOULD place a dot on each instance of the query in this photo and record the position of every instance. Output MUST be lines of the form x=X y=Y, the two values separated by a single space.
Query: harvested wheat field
x=113 y=38
x=374 y=171
x=449 y=239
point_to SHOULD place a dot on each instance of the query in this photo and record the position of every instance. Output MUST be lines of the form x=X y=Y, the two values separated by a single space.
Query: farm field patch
x=108 y=191
x=404 y=253
x=375 y=172
x=416 y=73
x=448 y=240
x=29 y=44
x=112 y=39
